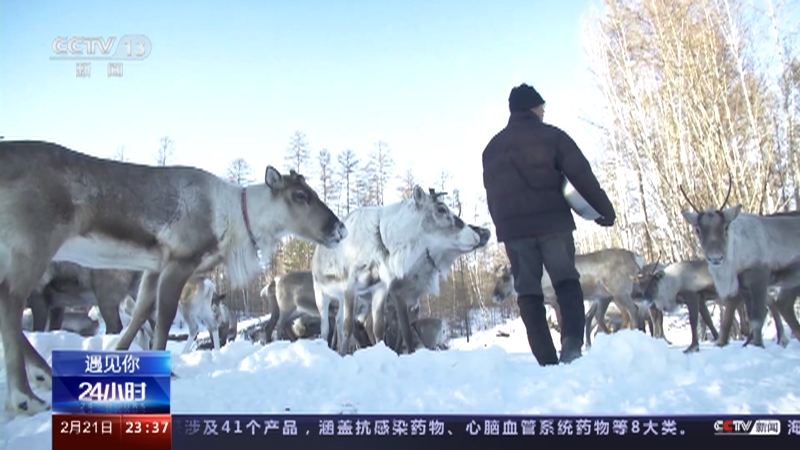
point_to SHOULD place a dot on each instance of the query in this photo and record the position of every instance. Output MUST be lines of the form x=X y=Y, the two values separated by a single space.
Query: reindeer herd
x=138 y=242
x=751 y=265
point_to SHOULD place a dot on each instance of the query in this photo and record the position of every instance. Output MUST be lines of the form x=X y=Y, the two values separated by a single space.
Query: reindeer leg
x=282 y=326
x=658 y=321
x=785 y=303
x=212 y=325
x=557 y=309
x=170 y=284
x=756 y=283
x=145 y=302
x=347 y=311
x=191 y=322
x=691 y=301
x=780 y=333
x=324 y=307
x=40 y=308
x=600 y=314
x=403 y=321
x=215 y=337
x=589 y=317
x=706 y=316
x=630 y=306
x=744 y=317
x=729 y=315
x=369 y=328
x=379 y=298
x=55 y=318
x=21 y=358
x=109 y=294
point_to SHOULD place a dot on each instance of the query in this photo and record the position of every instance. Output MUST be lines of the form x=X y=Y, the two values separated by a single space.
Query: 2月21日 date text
x=114 y=431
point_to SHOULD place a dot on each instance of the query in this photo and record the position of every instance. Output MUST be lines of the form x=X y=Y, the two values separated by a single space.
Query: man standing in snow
x=523 y=170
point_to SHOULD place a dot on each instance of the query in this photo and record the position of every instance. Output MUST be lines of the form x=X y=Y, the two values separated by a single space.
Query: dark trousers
x=529 y=258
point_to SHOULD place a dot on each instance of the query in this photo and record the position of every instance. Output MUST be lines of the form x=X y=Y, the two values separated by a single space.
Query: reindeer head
x=648 y=288
x=444 y=230
x=711 y=226
x=504 y=283
x=300 y=210
x=217 y=298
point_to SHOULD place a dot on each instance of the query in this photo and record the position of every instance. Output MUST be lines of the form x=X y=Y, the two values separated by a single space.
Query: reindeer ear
x=690 y=217
x=419 y=195
x=634 y=277
x=273 y=178
x=732 y=213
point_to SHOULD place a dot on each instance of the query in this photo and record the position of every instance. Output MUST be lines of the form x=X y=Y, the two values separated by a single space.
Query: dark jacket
x=523 y=171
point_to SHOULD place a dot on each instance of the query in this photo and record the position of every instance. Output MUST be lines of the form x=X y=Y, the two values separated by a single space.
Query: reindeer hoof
x=23 y=404
x=694 y=348
x=783 y=341
x=40 y=380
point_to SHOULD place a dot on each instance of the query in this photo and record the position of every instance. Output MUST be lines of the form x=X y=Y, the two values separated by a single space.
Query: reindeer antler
x=655 y=266
x=728 y=195
x=687 y=199
x=435 y=195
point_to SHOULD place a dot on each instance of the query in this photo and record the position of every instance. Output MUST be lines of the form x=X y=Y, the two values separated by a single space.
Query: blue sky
x=236 y=79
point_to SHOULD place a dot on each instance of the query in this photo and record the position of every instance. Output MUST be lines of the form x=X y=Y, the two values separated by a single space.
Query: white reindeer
x=195 y=306
x=384 y=243
x=170 y=222
x=747 y=253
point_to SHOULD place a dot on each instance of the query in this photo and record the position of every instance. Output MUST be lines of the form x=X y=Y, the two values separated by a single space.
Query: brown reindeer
x=606 y=276
x=67 y=284
x=170 y=222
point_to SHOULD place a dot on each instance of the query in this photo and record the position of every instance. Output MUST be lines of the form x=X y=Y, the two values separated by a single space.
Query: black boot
x=570 y=300
x=531 y=309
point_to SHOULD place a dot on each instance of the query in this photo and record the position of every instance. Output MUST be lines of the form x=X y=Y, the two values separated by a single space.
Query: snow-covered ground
x=624 y=373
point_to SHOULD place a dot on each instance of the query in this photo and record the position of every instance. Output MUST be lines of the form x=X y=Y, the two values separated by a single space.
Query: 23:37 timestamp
x=146 y=425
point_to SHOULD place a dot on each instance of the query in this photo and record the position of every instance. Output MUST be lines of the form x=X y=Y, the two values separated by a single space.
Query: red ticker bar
x=71 y=431
x=112 y=431
x=146 y=431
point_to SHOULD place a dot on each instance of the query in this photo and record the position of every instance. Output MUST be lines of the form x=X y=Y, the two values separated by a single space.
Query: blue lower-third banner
x=352 y=432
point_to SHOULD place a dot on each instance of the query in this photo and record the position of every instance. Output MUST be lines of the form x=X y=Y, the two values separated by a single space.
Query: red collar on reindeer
x=247 y=218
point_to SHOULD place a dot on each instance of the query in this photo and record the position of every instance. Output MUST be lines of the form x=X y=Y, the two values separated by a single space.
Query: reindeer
x=405 y=294
x=289 y=296
x=82 y=322
x=746 y=253
x=606 y=276
x=427 y=332
x=67 y=284
x=228 y=325
x=644 y=277
x=688 y=283
x=170 y=222
x=195 y=305
x=385 y=242
x=293 y=310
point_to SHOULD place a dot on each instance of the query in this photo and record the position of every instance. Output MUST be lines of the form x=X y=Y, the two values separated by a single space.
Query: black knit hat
x=524 y=98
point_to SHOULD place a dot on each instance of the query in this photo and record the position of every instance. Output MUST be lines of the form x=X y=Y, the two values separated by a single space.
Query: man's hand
x=605 y=221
